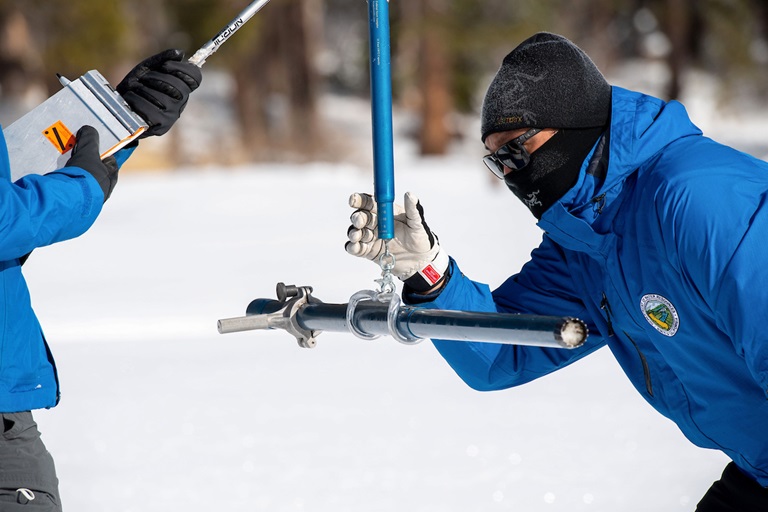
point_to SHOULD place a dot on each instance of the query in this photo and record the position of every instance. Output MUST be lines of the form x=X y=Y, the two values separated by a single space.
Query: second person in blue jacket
x=39 y=210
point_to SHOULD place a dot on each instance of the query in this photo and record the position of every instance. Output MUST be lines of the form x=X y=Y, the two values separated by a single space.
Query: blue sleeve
x=36 y=211
x=540 y=288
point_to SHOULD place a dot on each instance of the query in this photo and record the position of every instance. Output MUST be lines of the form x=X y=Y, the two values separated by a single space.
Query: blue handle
x=381 y=113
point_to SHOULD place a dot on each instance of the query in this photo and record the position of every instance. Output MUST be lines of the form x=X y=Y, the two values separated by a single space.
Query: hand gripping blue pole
x=381 y=113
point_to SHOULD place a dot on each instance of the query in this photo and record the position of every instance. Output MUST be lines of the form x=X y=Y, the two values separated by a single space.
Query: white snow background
x=159 y=412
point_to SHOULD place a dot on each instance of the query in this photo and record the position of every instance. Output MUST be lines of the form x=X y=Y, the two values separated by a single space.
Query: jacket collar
x=641 y=126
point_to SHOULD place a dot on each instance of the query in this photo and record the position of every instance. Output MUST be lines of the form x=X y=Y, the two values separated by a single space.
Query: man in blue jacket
x=36 y=211
x=653 y=234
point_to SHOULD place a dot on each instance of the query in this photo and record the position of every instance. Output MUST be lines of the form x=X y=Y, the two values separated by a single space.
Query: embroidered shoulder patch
x=660 y=313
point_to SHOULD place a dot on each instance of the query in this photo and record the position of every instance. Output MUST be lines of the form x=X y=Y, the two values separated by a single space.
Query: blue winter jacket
x=35 y=211
x=664 y=253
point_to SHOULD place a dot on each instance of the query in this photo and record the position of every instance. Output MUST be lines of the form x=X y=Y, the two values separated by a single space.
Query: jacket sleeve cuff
x=430 y=275
x=123 y=154
x=414 y=296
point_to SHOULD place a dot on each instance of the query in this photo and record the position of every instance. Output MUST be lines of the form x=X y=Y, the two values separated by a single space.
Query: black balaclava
x=553 y=169
x=548 y=82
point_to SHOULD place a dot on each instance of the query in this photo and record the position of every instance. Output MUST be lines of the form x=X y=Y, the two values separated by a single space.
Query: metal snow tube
x=381 y=116
x=371 y=317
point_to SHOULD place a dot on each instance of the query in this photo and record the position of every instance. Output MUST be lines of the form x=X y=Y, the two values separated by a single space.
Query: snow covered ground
x=159 y=412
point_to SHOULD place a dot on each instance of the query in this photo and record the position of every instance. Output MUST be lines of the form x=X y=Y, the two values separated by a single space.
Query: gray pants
x=28 y=480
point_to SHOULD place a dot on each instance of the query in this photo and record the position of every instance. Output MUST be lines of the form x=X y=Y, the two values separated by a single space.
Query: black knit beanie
x=546 y=82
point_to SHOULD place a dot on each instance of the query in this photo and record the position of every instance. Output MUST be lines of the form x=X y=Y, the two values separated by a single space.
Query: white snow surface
x=159 y=412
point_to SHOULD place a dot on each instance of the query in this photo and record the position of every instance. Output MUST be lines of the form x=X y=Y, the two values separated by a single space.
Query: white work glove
x=420 y=262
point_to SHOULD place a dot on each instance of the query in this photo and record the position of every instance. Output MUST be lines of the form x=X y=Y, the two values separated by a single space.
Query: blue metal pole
x=381 y=113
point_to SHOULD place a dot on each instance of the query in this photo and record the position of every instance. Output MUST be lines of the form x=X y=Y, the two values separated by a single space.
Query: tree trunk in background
x=277 y=85
x=589 y=24
x=302 y=79
x=251 y=89
x=677 y=30
x=21 y=83
x=435 y=80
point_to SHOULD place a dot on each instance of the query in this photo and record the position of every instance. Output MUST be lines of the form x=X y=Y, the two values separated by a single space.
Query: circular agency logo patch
x=660 y=313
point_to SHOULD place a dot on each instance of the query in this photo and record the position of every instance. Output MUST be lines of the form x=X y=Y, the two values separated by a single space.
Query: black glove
x=86 y=155
x=158 y=89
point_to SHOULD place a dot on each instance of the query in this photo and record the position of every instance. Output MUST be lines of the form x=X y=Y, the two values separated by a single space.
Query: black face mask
x=553 y=169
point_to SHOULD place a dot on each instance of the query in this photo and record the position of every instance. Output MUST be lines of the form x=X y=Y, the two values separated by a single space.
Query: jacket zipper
x=646 y=369
x=598 y=203
x=605 y=306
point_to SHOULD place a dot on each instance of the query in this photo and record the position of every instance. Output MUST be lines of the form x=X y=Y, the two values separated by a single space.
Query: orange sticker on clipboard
x=60 y=136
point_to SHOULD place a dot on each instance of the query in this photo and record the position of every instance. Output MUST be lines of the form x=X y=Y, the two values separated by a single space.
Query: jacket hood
x=640 y=127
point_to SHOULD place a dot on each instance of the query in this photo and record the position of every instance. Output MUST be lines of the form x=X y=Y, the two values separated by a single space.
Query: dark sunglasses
x=512 y=155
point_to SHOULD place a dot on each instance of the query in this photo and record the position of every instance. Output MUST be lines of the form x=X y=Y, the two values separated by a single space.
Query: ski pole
x=381 y=114
x=40 y=141
x=198 y=59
